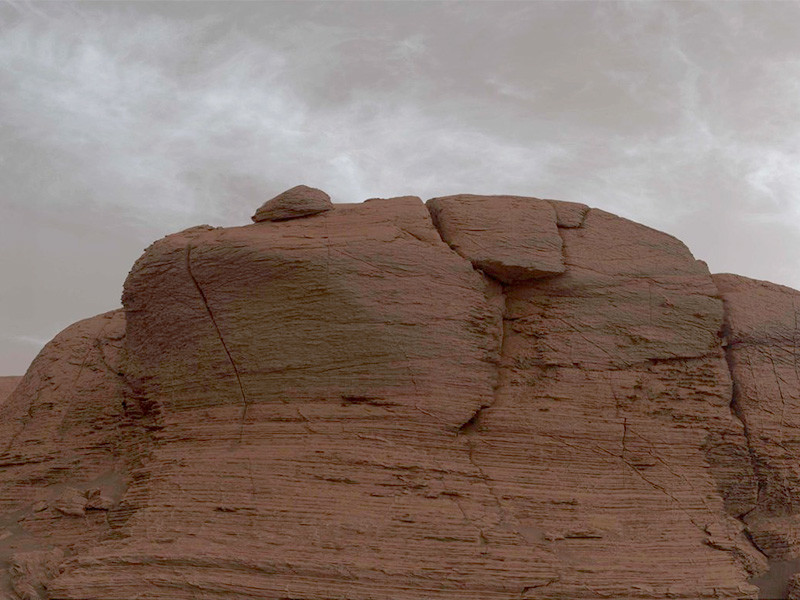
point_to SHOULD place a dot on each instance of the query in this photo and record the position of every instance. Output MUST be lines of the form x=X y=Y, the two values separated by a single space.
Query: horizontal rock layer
x=65 y=434
x=531 y=401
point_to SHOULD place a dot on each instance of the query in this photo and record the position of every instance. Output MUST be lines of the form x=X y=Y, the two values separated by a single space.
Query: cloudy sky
x=122 y=122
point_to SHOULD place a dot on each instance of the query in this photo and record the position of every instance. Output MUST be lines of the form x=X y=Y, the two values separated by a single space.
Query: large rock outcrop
x=68 y=447
x=487 y=397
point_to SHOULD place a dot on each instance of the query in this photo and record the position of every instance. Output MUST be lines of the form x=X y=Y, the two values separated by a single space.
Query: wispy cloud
x=135 y=119
x=28 y=340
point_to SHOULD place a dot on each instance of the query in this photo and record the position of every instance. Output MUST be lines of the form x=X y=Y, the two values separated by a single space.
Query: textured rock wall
x=761 y=336
x=7 y=385
x=613 y=403
x=67 y=444
x=491 y=397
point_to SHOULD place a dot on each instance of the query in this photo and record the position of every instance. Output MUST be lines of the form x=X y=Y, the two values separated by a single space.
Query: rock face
x=793 y=591
x=761 y=337
x=7 y=385
x=509 y=238
x=299 y=201
x=482 y=398
x=65 y=435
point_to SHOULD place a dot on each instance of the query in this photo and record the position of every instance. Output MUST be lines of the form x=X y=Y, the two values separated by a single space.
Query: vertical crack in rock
x=26 y=418
x=470 y=425
x=221 y=339
x=761 y=350
x=571 y=217
x=738 y=414
x=470 y=428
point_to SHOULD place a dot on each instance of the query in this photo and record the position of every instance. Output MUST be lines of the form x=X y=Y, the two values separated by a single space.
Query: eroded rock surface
x=762 y=337
x=7 y=385
x=64 y=431
x=347 y=406
x=793 y=590
x=508 y=237
x=602 y=446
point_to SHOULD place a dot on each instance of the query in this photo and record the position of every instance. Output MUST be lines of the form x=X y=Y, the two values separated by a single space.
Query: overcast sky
x=122 y=122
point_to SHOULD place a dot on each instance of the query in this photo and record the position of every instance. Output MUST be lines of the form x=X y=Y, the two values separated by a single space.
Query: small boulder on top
x=299 y=201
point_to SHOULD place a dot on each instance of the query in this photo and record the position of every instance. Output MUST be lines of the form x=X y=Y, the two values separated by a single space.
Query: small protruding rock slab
x=72 y=502
x=511 y=238
x=97 y=500
x=299 y=201
x=569 y=215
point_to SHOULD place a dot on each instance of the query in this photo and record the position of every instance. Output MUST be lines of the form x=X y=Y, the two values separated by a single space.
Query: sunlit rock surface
x=482 y=398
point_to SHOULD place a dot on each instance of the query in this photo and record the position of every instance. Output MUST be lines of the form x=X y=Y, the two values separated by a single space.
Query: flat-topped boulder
x=299 y=201
x=510 y=238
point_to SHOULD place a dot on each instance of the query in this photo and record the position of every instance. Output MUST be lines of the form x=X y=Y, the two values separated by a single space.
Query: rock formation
x=299 y=201
x=7 y=385
x=487 y=398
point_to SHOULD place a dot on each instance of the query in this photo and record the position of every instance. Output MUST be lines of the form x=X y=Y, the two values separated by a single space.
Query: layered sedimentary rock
x=67 y=443
x=613 y=403
x=490 y=397
x=7 y=385
x=761 y=337
x=507 y=237
x=299 y=201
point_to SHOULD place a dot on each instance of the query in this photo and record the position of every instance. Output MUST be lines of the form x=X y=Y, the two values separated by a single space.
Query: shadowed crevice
x=221 y=339
x=470 y=426
x=774 y=583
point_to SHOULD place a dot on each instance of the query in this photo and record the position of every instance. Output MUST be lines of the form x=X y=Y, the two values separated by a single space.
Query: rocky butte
x=473 y=398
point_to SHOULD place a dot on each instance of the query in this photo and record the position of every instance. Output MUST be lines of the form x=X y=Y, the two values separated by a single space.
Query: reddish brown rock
x=762 y=339
x=29 y=572
x=793 y=591
x=611 y=416
x=328 y=365
x=64 y=429
x=508 y=237
x=569 y=214
x=7 y=385
x=345 y=407
x=299 y=201
x=71 y=502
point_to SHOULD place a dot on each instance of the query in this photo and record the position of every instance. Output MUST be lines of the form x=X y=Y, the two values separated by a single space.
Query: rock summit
x=299 y=201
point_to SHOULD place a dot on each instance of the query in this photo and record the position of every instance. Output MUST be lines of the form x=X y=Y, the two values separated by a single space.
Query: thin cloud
x=28 y=340
x=121 y=122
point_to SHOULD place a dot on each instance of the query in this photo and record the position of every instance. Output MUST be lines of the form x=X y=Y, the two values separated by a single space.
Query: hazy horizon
x=122 y=122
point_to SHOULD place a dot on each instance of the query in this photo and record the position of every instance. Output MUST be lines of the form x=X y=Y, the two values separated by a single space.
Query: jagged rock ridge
x=487 y=397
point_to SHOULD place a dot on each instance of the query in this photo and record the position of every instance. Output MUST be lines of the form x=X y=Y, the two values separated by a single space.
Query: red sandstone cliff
x=482 y=398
